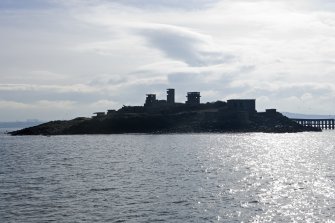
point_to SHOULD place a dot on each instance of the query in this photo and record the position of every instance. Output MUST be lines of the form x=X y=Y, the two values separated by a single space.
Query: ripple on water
x=178 y=178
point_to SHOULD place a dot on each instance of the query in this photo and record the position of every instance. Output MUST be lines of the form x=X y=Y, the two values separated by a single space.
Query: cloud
x=42 y=104
x=100 y=53
x=44 y=109
x=280 y=89
x=28 y=93
x=24 y=4
x=185 y=45
x=77 y=88
x=168 y=4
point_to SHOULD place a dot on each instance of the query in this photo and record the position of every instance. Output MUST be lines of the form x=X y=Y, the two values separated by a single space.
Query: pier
x=319 y=123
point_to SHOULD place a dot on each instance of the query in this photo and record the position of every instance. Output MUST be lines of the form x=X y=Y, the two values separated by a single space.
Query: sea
x=249 y=177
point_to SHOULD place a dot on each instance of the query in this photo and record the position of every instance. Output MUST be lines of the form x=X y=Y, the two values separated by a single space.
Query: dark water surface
x=174 y=178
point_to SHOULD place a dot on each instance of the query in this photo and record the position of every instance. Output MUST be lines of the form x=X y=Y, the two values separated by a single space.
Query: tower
x=170 y=96
x=150 y=99
x=193 y=98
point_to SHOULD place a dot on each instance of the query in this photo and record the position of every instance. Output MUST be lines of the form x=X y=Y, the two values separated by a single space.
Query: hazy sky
x=65 y=58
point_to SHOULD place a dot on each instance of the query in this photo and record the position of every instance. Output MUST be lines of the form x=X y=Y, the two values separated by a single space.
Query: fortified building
x=242 y=107
x=193 y=98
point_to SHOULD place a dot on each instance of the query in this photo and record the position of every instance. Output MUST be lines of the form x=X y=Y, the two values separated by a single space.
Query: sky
x=61 y=59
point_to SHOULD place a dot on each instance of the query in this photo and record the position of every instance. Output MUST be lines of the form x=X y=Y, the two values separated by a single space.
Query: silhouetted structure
x=193 y=98
x=319 y=123
x=161 y=102
x=99 y=114
x=248 y=105
x=131 y=109
x=170 y=96
x=271 y=111
x=111 y=112
x=150 y=100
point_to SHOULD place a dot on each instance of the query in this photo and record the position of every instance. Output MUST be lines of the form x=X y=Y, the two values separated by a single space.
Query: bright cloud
x=181 y=44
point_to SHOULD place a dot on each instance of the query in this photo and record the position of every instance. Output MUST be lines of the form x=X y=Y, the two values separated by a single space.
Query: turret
x=193 y=98
x=170 y=96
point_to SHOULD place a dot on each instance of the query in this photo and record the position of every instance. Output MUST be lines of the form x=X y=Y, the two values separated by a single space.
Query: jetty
x=318 y=123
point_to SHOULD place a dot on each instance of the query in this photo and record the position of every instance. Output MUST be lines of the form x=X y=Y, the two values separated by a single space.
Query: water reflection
x=173 y=178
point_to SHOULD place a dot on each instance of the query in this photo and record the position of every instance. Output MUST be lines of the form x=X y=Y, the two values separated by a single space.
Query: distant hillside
x=304 y=116
x=23 y=124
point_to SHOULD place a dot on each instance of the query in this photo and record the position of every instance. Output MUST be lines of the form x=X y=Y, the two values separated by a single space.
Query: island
x=167 y=116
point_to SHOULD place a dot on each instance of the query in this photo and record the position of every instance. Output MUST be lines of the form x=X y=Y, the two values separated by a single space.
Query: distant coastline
x=307 y=116
x=20 y=124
